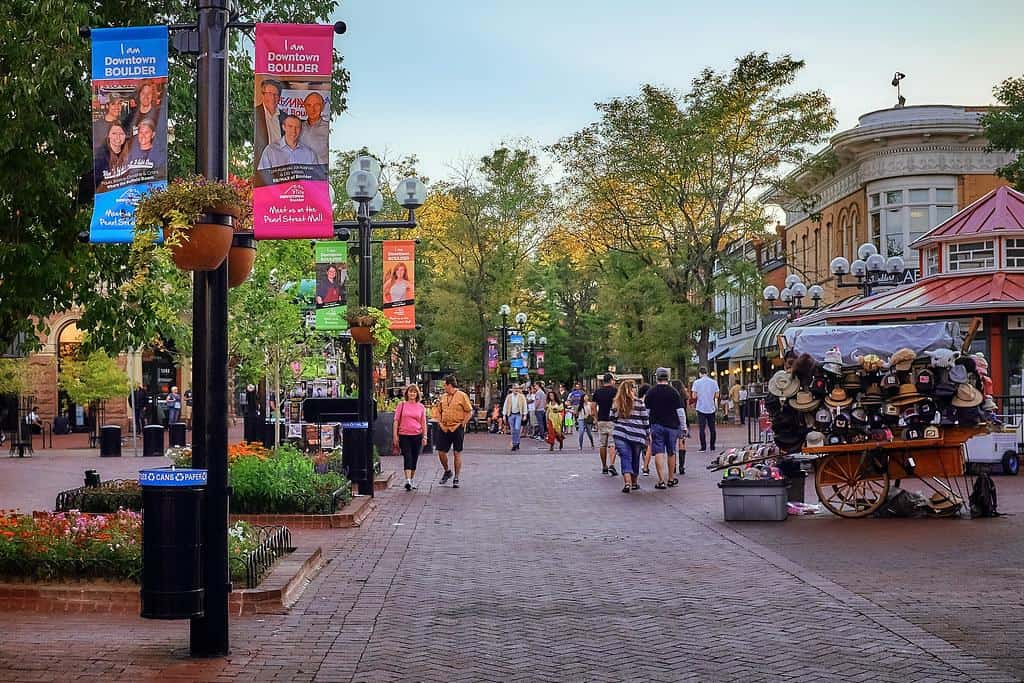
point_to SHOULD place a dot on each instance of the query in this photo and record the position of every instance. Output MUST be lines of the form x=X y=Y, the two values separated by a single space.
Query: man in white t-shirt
x=705 y=392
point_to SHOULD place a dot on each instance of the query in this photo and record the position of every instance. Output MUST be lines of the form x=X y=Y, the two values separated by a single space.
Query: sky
x=449 y=80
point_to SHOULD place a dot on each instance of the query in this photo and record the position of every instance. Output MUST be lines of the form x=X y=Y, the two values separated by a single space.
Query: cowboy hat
x=902 y=359
x=833 y=362
x=945 y=390
x=804 y=402
x=907 y=394
x=838 y=398
x=851 y=380
x=872 y=396
x=944 y=501
x=967 y=396
x=783 y=385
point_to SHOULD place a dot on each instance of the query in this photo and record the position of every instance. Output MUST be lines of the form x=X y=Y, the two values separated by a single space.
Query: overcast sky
x=449 y=79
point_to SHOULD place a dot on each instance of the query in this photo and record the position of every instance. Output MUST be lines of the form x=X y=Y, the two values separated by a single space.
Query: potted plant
x=178 y=210
x=369 y=325
x=242 y=255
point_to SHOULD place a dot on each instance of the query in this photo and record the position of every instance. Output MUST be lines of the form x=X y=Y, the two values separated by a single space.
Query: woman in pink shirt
x=410 y=431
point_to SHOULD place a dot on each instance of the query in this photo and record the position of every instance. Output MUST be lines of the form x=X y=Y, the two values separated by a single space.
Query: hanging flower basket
x=241 y=258
x=369 y=325
x=362 y=335
x=203 y=246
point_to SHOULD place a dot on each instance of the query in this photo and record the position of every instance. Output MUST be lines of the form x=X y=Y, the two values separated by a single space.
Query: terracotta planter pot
x=206 y=245
x=362 y=335
x=240 y=258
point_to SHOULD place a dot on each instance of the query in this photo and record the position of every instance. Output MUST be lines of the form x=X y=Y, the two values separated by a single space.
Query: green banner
x=331 y=279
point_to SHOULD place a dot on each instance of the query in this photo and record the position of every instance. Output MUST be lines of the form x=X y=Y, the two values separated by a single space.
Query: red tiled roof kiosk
x=972 y=264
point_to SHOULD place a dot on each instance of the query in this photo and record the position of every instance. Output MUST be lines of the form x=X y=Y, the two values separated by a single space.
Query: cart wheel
x=850 y=491
x=1011 y=463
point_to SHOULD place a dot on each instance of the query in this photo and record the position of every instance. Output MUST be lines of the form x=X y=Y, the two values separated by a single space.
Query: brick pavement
x=540 y=569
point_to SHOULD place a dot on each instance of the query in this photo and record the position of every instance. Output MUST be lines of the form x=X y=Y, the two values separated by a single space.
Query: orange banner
x=399 y=280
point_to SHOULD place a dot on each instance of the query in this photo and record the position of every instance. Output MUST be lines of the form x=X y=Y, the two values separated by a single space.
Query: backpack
x=983 y=497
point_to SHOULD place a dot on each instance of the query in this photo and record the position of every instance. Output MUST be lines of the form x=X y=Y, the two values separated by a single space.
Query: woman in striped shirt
x=631 y=431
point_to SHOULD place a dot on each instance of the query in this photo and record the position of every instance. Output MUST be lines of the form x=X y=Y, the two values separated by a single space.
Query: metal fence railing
x=759 y=427
x=275 y=541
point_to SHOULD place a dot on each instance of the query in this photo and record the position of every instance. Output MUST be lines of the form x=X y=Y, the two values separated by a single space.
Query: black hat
x=926 y=409
x=875 y=421
x=842 y=420
x=913 y=433
x=945 y=390
x=890 y=384
x=834 y=439
x=818 y=386
x=925 y=382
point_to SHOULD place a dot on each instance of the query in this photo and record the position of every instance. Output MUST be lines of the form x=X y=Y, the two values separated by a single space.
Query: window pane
x=876 y=229
x=919 y=196
x=874 y=201
x=943 y=212
x=945 y=195
x=894 y=244
x=894 y=197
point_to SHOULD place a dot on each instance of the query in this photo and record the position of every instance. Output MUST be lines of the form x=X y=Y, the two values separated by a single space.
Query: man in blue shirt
x=288 y=150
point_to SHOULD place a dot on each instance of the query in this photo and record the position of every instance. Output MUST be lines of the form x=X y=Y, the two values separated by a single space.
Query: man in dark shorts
x=664 y=404
x=453 y=411
x=604 y=397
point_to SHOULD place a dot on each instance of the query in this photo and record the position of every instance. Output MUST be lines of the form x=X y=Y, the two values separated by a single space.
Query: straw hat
x=804 y=402
x=783 y=385
x=872 y=362
x=872 y=396
x=944 y=501
x=838 y=398
x=907 y=394
x=851 y=380
x=967 y=396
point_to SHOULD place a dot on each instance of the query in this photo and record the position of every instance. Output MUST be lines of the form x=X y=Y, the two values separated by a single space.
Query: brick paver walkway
x=541 y=569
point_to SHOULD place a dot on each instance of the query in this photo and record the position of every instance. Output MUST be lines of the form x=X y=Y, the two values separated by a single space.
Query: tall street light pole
x=504 y=312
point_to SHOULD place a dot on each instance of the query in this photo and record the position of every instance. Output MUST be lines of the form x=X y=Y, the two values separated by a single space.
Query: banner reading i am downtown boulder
x=399 y=258
x=331 y=277
x=291 y=199
x=129 y=125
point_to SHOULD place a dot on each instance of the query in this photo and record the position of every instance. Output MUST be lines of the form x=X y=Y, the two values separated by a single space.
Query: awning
x=721 y=353
x=743 y=350
x=765 y=345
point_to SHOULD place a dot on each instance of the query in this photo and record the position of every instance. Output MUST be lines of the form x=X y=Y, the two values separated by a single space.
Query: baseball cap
x=662 y=373
x=607 y=377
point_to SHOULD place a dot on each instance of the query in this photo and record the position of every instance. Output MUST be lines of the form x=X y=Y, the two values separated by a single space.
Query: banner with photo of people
x=492 y=353
x=291 y=131
x=331 y=278
x=129 y=125
x=399 y=258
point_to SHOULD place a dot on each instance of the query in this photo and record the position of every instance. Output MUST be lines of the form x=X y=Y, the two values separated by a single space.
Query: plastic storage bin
x=754 y=501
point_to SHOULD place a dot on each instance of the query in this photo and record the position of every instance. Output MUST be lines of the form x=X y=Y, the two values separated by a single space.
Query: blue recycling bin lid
x=170 y=476
x=355 y=425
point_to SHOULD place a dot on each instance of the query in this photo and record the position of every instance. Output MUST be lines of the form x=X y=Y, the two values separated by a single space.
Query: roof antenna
x=901 y=101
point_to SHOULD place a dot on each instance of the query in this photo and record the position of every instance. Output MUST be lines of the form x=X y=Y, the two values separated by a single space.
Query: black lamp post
x=533 y=344
x=870 y=270
x=504 y=312
x=792 y=296
x=362 y=188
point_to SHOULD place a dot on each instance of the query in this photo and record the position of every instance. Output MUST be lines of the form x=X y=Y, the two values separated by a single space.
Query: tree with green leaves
x=672 y=179
x=1004 y=128
x=44 y=269
x=93 y=379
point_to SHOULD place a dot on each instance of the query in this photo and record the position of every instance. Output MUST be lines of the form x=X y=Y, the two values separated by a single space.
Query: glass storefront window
x=1014 y=362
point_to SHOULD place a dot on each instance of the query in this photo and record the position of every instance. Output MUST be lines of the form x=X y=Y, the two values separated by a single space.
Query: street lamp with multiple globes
x=533 y=344
x=362 y=187
x=792 y=296
x=504 y=312
x=870 y=268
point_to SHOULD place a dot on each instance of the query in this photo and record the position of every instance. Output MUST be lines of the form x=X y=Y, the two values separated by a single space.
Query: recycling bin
x=268 y=433
x=355 y=450
x=176 y=434
x=153 y=441
x=110 y=441
x=172 y=542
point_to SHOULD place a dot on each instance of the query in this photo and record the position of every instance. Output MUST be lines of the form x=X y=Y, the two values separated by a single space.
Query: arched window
x=844 y=229
x=851 y=234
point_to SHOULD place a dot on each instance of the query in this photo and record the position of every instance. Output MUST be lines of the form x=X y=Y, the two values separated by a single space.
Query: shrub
x=285 y=483
x=125 y=494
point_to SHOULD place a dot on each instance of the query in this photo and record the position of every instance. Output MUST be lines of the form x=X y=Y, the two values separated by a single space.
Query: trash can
x=356 y=455
x=762 y=500
x=110 y=441
x=431 y=426
x=268 y=434
x=797 y=484
x=153 y=441
x=92 y=479
x=177 y=434
x=172 y=543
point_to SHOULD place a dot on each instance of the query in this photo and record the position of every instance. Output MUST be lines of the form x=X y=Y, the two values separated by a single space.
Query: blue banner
x=129 y=125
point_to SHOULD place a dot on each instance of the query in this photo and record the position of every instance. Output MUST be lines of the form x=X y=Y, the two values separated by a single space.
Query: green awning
x=765 y=345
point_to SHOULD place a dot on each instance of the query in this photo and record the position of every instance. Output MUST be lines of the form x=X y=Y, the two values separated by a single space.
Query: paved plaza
x=540 y=569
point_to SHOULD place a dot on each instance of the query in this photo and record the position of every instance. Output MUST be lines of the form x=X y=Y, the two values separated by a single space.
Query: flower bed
x=75 y=545
x=108 y=497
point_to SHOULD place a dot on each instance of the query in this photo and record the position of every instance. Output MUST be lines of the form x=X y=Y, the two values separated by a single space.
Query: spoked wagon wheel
x=847 y=487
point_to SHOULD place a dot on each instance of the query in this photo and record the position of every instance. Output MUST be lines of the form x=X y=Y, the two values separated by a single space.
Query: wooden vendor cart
x=852 y=480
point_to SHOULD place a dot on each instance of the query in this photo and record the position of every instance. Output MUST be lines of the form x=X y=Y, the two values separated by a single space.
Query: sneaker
x=702 y=450
x=647 y=473
x=408 y=486
x=612 y=471
x=636 y=487
x=455 y=483
x=446 y=476
x=412 y=485
x=604 y=471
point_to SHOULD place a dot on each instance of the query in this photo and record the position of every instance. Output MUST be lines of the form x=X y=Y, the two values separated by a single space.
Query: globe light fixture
x=505 y=310
x=875 y=263
x=792 y=279
x=839 y=266
x=771 y=293
x=411 y=193
x=865 y=250
x=361 y=186
x=858 y=268
x=365 y=163
x=817 y=292
x=870 y=269
x=799 y=290
x=520 y=319
x=895 y=265
x=786 y=294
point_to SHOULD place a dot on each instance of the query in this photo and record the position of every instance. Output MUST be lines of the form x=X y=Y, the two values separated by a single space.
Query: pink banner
x=292 y=109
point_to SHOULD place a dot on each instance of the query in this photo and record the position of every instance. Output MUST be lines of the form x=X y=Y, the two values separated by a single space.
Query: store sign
x=291 y=197
x=129 y=125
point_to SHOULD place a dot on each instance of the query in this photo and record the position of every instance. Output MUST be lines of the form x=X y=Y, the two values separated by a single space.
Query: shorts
x=663 y=439
x=604 y=432
x=450 y=440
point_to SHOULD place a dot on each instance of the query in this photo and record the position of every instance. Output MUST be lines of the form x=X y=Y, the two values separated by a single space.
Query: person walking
x=173 y=406
x=734 y=401
x=705 y=393
x=664 y=404
x=586 y=419
x=630 y=433
x=684 y=430
x=410 y=431
x=604 y=397
x=454 y=411
x=743 y=396
x=539 y=411
x=139 y=400
x=555 y=412
x=641 y=393
x=514 y=411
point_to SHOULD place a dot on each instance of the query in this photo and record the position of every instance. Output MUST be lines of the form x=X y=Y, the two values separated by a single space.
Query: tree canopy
x=1004 y=128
